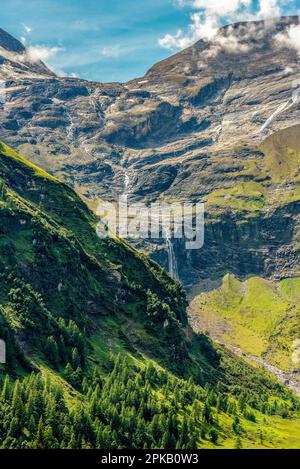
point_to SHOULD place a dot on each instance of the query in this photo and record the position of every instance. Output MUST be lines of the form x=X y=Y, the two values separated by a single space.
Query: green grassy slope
x=49 y=240
x=99 y=351
x=268 y=180
x=259 y=316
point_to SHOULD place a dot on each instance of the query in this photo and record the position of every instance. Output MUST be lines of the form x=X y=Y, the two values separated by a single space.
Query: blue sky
x=116 y=40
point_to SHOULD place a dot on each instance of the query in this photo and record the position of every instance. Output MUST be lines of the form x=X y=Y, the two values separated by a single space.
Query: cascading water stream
x=172 y=262
x=282 y=107
x=127 y=181
x=173 y=270
x=278 y=111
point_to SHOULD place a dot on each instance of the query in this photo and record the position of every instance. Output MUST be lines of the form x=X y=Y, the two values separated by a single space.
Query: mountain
x=10 y=44
x=191 y=129
x=99 y=353
x=16 y=62
x=217 y=122
x=55 y=250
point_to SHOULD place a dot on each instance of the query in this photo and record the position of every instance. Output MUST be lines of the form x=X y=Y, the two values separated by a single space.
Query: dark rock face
x=16 y=63
x=190 y=130
x=8 y=42
x=142 y=130
x=260 y=246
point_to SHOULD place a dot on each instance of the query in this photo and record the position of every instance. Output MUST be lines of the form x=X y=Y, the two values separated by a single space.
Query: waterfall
x=173 y=270
x=71 y=128
x=278 y=111
x=125 y=192
x=126 y=183
x=172 y=263
x=282 y=107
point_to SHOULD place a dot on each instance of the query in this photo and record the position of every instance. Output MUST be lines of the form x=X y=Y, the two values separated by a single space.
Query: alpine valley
x=105 y=349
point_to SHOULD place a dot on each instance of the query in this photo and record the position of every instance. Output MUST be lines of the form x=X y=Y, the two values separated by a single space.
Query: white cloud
x=26 y=29
x=221 y=7
x=172 y=41
x=62 y=73
x=211 y=14
x=231 y=42
x=111 y=51
x=36 y=53
x=198 y=29
x=270 y=8
x=289 y=38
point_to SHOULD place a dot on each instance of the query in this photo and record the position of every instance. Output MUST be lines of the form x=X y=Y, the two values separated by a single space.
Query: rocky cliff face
x=197 y=126
x=17 y=63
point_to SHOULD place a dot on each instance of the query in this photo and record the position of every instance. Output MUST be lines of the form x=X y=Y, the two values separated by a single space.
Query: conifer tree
x=40 y=441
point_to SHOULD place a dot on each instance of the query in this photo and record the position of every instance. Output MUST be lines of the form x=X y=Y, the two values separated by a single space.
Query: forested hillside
x=99 y=351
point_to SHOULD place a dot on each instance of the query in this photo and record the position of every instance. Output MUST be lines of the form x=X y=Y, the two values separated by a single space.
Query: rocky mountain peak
x=16 y=62
x=10 y=43
x=241 y=48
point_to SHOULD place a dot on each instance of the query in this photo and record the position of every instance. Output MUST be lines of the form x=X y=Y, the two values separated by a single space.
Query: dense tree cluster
x=60 y=341
x=68 y=299
x=128 y=408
